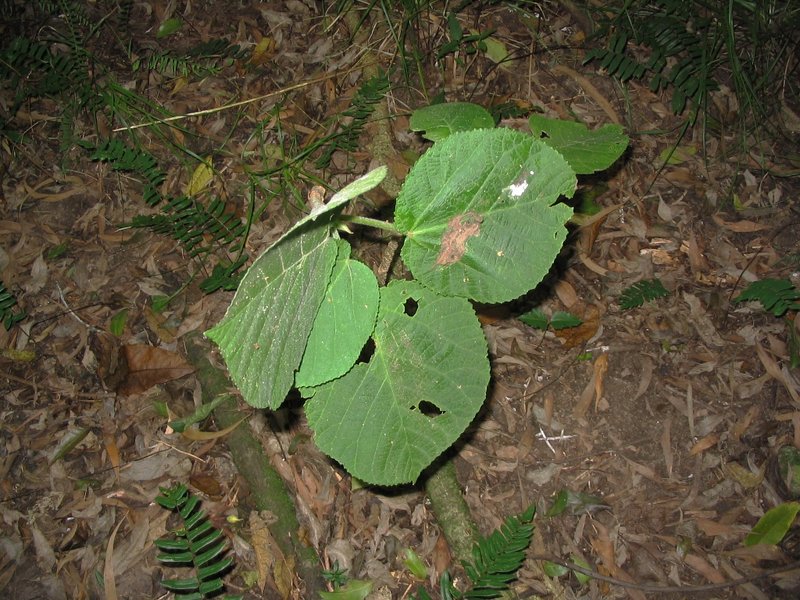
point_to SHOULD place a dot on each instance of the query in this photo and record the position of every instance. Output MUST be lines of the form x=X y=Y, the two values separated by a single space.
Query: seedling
x=482 y=221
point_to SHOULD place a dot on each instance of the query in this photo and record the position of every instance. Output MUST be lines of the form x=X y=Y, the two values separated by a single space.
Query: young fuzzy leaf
x=775 y=295
x=641 y=292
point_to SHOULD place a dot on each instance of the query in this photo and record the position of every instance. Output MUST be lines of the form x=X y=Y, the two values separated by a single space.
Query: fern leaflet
x=775 y=295
x=197 y=544
x=497 y=558
x=346 y=136
x=641 y=292
x=8 y=315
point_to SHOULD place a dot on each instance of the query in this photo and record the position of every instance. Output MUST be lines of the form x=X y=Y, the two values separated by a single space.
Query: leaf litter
x=672 y=413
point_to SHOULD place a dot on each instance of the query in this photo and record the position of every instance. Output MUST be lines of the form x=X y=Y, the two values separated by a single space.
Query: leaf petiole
x=370 y=222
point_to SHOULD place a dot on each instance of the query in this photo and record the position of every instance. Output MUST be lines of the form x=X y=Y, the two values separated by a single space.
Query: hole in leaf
x=410 y=307
x=429 y=409
x=366 y=352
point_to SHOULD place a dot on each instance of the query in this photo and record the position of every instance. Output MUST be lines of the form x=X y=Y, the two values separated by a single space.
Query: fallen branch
x=268 y=490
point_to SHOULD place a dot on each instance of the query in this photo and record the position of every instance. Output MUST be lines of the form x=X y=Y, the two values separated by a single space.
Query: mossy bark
x=268 y=489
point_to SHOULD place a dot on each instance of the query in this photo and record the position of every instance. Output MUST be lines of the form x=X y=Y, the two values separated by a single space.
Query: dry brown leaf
x=738 y=226
x=566 y=293
x=605 y=549
x=704 y=444
x=738 y=428
x=774 y=371
x=600 y=368
x=577 y=336
x=109 y=573
x=702 y=566
x=666 y=446
x=149 y=366
x=266 y=550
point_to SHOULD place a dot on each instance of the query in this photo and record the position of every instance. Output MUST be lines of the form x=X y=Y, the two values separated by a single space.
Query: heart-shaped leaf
x=265 y=330
x=389 y=418
x=480 y=215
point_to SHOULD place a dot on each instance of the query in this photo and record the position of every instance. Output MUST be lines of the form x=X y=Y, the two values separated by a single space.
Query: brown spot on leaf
x=454 y=240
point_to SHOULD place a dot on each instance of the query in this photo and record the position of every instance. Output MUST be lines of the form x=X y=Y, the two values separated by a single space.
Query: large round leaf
x=480 y=215
x=389 y=418
x=344 y=322
x=264 y=333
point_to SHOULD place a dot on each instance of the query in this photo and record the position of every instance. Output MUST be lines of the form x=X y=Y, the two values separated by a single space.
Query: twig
x=208 y=111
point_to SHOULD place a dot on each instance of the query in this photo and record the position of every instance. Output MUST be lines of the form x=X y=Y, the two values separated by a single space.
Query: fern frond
x=124 y=158
x=198 y=228
x=683 y=48
x=497 y=558
x=8 y=315
x=207 y=58
x=641 y=292
x=353 y=120
x=775 y=295
x=197 y=544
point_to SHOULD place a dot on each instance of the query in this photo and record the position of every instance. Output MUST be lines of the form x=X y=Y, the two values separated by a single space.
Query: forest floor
x=659 y=425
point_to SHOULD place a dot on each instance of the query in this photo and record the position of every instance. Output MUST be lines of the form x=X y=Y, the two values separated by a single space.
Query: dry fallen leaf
x=149 y=366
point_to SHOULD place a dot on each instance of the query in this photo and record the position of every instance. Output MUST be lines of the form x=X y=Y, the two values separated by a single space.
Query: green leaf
x=355 y=589
x=582 y=578
x=554 y=570
x=179 y=545
x=389 y=418
x=264 y=332
x=414 y=563
x=775 y=295
x=559 y=504
x=181 y=585
x=169 y=27
x=201 y=414
x=440 y=120
x=586 y=151
x=343 y=324
x=480 y=215
x=576 y=502
x=789 y=470
x=641 y=292
x=564 y=320
x=535 y=318
x=351 y=190
x=117 y=325
x=361 y=185
x=772 y=527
